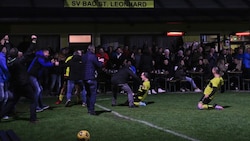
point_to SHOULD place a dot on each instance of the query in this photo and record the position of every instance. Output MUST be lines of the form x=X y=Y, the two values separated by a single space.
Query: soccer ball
x=83 y=135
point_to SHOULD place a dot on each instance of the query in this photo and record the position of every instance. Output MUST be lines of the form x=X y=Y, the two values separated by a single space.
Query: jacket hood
x=76 y=58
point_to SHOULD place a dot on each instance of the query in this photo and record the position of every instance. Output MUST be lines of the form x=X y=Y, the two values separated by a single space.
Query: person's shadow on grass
x=101 y=111
x=126 y=103
x=226 y=107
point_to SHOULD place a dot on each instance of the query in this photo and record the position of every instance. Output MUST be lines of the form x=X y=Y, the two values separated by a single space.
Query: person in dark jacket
x=56 y=76
x=146 y=62
x=180 y=74
x=75 y=74
x=30 y=53
x=120 y=80
x=7 y=43
x=35 y=71
x=90 y=66
x=19 y=85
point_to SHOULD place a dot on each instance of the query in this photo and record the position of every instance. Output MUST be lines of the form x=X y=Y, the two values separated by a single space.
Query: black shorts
x=205 y=100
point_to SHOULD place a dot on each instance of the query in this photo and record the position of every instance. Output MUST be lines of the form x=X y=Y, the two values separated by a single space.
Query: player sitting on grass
x=211 y=89
x=143 y=90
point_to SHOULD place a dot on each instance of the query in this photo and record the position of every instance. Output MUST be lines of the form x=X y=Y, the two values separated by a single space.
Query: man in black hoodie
x=19 y=85
x=120 y=80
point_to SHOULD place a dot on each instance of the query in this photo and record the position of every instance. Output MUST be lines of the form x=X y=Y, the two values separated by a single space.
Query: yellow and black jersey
x=143 y=90
x=216 y=82
x=67 y=69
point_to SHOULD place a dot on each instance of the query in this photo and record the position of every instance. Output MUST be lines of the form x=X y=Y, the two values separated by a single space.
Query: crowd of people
x=164 y=64
x=68 y=72
x=22 y=74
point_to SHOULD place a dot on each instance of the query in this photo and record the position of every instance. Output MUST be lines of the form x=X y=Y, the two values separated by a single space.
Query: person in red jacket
x=101 y=54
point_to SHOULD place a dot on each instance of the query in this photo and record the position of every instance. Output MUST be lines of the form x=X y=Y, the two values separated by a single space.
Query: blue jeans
x=191 y=81
x=55 y=78
x=38 y=92
x=3 y=95
x=91 y=89
x=70 y=86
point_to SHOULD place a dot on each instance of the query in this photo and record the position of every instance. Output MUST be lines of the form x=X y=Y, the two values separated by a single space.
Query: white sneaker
x=142 y=103
x=149 y=92
x=84 y=104
x=218 y=107
x=182 y=90
x=154 y=92
x=197 y=90
x=6 y=118
x=161 y=90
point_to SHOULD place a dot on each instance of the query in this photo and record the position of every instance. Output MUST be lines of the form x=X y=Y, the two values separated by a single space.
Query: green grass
x=175 y=112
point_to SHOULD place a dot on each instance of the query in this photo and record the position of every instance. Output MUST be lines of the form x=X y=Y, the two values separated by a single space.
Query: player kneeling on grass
x=211 y=89
x=143 y=90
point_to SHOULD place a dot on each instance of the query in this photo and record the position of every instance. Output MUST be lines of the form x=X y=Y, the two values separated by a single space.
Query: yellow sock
x=136 y=103
x=61 y=96
x=206 y=106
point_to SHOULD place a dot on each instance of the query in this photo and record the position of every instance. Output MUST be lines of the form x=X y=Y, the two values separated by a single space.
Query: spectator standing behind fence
x=222 y=66
x=235 y=66
x=246 y=64
x=137 y=56
x=102 y=54
x=118 y=58
x=146 y=61
x=212 y=58
x=34 y=70
x=90 y=66
x=239 y=53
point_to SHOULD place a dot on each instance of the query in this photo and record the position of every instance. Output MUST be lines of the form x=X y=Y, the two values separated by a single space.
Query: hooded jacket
x=75 y=66
x=38 y=63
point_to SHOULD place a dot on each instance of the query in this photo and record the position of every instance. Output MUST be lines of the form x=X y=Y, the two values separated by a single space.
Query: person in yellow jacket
x=64 y=87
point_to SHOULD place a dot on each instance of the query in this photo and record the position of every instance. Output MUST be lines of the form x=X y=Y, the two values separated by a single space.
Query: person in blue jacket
x=4 y=74
x=90 y=66
x=246 y=64
x=35 y=72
